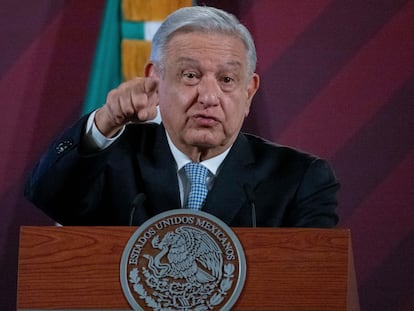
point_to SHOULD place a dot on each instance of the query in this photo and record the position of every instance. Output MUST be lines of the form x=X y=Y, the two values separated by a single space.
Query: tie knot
x=196 y=172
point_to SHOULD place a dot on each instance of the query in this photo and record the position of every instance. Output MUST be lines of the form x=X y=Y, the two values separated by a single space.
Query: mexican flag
x=124 y=44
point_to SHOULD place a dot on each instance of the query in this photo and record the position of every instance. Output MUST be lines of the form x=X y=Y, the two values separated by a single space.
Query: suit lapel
x=159 y=174
x=227 y=196
x=224 y=200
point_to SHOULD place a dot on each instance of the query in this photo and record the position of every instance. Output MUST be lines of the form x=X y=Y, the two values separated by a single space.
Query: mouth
x=205 y=120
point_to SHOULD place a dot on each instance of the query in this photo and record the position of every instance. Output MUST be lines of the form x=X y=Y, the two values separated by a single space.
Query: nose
x=208 y=91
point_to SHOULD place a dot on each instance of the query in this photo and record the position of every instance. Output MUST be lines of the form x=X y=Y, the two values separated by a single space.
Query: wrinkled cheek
x=229 y=128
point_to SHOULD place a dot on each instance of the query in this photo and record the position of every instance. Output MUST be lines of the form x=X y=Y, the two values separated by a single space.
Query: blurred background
x=337 y=80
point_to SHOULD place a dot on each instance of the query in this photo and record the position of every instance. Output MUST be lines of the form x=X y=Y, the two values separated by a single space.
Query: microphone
x=250 y=198
x=136 y=203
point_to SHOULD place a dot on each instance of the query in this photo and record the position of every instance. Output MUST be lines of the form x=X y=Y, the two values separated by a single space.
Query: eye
x=228 y=83
x=228 y=79
x=190 y=77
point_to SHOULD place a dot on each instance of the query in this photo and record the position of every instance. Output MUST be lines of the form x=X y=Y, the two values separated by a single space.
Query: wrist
x=104 y=124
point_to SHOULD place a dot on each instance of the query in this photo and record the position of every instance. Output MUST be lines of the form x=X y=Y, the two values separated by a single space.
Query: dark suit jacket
x=76 y=187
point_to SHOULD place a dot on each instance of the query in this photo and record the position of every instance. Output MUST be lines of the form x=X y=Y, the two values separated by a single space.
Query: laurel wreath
x=215 y=299
x=139 y=289
x=225 y=285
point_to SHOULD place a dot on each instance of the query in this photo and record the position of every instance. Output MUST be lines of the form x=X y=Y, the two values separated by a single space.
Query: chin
x=203 y=141
x=205 y=138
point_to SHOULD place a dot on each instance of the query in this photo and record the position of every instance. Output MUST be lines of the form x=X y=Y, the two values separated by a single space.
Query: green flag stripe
x=132 y=30
x=106 y=71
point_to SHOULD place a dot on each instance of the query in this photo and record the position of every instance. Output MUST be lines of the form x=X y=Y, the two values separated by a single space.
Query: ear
x=150 y=70
x=252 y=87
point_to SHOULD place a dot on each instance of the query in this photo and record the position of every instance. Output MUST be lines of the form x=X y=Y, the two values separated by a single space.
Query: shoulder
x=272 y=158
x=263 y=149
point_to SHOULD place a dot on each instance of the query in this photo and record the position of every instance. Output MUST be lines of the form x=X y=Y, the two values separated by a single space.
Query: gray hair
x=202 y=19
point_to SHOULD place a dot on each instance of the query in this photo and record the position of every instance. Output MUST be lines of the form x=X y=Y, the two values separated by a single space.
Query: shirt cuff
x=94 y=138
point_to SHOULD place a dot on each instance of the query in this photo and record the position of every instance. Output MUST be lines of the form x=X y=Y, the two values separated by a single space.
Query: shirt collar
x=181 y=159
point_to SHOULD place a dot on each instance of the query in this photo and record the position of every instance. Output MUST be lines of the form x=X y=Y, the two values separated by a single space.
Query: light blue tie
x=197 y=174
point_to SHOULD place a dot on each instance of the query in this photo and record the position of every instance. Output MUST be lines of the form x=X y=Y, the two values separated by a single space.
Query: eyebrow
x=191 y=61
x=184 y=60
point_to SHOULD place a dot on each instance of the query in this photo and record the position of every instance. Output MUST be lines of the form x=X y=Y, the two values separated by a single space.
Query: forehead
x=206 y=47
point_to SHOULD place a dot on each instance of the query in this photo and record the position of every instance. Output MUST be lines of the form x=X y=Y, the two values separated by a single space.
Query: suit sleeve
x=67 y=183
x=315 y=200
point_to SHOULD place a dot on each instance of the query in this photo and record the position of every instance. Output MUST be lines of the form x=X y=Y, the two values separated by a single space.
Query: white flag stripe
x=150 y=29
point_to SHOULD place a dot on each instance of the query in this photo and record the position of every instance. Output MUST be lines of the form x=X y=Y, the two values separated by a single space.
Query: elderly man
x=113 y=168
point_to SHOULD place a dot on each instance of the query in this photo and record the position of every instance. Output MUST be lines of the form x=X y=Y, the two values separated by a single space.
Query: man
x=113 y=168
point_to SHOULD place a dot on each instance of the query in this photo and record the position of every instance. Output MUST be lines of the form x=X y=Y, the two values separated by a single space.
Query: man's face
x=205 y=92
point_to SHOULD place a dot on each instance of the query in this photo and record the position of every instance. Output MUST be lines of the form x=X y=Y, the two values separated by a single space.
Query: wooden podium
x=77 y=268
